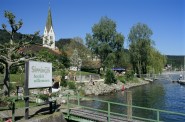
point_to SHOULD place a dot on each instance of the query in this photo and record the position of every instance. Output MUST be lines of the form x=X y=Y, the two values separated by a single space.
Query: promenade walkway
x=33 y=112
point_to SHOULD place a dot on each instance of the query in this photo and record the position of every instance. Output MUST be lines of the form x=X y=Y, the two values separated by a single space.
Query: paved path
x=20 y=113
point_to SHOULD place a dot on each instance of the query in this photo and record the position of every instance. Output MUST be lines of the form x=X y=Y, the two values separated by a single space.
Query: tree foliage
x=110 y=77
x=10 y=54
x=75 y=60
x=142 y=53
x=105 y=41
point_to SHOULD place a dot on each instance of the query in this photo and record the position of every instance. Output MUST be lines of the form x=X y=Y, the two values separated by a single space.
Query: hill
x=68 y=46
x=175 y=61
x=5 y=36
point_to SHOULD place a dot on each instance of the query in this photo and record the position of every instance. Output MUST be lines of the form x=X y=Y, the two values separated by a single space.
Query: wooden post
x=50 y=107
x=129 y=103
x=13 y=110
x=26 y=92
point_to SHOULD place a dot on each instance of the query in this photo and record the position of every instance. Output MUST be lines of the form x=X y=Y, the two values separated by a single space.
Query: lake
x=161 y=94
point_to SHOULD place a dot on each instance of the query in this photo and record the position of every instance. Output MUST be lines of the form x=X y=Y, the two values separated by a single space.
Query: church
x=49 y=34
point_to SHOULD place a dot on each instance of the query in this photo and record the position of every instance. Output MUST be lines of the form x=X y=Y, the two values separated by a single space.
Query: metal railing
x=109 y=112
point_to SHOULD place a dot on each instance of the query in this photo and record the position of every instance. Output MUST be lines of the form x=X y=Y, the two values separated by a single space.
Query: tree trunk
x=6 y=86
x=139 y=69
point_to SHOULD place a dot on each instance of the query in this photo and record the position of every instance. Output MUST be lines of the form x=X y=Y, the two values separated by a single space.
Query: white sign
x=39 y=74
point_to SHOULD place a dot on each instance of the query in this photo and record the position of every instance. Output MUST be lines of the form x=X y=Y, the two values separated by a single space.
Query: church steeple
x=49 y=35
x=49 y=21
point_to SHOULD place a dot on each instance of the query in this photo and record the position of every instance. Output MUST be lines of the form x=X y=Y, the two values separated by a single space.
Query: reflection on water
x=162 y=94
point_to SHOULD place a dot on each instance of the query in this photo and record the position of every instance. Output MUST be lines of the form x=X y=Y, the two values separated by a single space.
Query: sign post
x=26 y=91
x=37 y=75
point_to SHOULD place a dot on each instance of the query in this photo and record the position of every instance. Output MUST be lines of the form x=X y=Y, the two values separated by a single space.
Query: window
x=51 y=37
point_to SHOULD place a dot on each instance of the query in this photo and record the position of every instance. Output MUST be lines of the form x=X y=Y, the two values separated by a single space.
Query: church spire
x=49 y=20
x=49 y=35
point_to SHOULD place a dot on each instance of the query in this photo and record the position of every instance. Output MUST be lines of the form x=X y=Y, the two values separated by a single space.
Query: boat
x=148 y=79
x=182 y=82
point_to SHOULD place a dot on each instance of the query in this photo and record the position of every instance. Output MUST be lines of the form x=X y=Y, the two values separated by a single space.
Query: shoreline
x=99 y=88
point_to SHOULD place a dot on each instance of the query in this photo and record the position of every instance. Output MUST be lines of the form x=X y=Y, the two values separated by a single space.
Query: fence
x=109 y=111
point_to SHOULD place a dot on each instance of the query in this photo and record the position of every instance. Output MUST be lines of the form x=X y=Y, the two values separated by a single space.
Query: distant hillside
x=175 y=61
x=68 y=46
x=5 y=36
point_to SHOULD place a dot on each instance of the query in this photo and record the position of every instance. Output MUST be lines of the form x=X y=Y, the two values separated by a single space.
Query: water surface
x=162 y=94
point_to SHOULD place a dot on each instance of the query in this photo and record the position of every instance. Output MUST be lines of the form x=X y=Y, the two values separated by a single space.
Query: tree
x=59 y=61
x=10 y=52
x=156 y=62
x=142 y=53
x=105 y=39
x=78 y=39
x=110 y=77
x=140 y=45
x=75 y=60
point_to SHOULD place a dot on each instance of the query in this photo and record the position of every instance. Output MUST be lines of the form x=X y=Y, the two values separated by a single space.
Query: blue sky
x=72 y=18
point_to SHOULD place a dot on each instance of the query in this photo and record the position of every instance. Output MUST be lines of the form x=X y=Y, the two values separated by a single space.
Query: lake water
x=162 y=94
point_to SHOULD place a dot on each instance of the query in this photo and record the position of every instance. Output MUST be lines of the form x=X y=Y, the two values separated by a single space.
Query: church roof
x=49 y=21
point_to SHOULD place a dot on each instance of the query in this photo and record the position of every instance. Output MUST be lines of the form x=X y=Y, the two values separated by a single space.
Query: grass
x=123 y=79
x=19 y=79
x=21 y=104
x=83 y=73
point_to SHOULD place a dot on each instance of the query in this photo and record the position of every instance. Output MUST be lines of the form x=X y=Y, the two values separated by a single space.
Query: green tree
x=10 y=54
x=105 y=40
x=59 y=61
x=75 y=60
x=110 y=77
x=140 y=45
x=144 y=57
x=156 y=62
x=78 y=39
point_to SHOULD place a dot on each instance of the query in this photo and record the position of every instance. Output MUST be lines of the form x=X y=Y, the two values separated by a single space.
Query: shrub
x=71 y=85
x=121 y=79
x=43 y=97
x=129 y=75
x=110 y=77
x=63 y=83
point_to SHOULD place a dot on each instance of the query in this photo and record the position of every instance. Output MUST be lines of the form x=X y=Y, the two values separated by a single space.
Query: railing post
x=55 y=105
x=108 y=112
x=50 y=107
x=13 y=110
x=68 y=105
x=129 y=107
x=78 y=98
x=157 y=115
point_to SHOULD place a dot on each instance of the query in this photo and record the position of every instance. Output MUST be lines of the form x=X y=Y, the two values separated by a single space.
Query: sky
x=75 y=18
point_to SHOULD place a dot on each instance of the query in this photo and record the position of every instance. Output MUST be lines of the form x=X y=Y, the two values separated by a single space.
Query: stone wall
x=88 y=77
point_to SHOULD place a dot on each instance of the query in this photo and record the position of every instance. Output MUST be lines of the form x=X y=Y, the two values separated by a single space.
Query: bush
x=121 y=79
x=71 y=85
x=110 y=77
x=89 y=69
x=129 y=75
x=43 y=97
x=63 y=83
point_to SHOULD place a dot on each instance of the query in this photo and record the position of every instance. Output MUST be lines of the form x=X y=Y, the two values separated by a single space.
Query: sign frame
x=39 y=74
